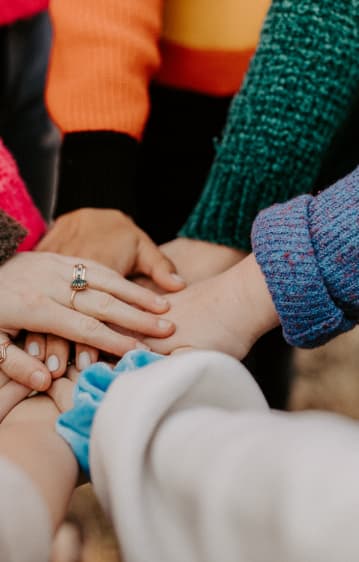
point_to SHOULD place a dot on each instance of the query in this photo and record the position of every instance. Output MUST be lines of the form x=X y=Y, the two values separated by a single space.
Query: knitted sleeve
x=308 y=250
x=20 y=9
x=16 y=202
x=104 y=55
x=11 y=235
x=297 y=92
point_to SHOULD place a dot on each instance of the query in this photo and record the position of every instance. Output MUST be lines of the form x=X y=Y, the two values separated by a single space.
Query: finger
x=10 y=395
x=78 y=327
x=61 y=392
x=107 y=308
x=107 y=281
x=73 y=374
x=153 y=263
x=35 y=345
x=166 y=346
x=24 y=369
x=57 y=355
x=4 y=379
x=85 y=356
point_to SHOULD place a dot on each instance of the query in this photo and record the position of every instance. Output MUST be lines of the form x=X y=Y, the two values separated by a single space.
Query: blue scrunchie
x=76 y=424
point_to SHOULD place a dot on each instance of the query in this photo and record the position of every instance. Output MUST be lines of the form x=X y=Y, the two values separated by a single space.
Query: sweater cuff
x=75 y=425
x=334 y=230
x=97 y=169
x=222 y=215
x=282 y=244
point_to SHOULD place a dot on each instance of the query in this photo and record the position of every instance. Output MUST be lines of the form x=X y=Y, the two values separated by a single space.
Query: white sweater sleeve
x=25 y=528
x=154 y=456
x=191 y=465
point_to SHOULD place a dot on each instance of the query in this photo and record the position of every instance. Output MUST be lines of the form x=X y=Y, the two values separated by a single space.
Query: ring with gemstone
x=79 y=282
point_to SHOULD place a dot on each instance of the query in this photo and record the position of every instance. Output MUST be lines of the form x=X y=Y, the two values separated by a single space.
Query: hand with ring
x=77 y=300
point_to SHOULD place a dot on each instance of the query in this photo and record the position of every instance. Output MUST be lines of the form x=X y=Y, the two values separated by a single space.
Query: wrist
x=256 y=301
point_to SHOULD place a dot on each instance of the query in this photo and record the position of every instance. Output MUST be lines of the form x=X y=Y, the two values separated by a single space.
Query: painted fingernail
x=52 y=363
x=140 y=345
x=164 y=324
x=84 y=360
x=177 y=278
x=33 y=349
x=161 y=301
x=37 y=380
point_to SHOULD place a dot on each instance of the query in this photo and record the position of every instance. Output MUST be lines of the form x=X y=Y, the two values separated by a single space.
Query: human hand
x=227 y=313
x=35 y=294
x=55 y=352
x=11 y=392
x=17 y=365
x=197 y=260
x=110 y=237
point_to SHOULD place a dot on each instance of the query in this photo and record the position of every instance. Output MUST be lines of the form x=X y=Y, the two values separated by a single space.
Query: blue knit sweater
x=308 y=250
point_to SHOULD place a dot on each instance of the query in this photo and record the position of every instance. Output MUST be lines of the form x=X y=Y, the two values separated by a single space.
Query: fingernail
x=33 y=349
x=164 y=324
x=161 y=301
x=140 y=345
x=177 y=278
x=37 y=380
x=84 y=360
x=52 y=363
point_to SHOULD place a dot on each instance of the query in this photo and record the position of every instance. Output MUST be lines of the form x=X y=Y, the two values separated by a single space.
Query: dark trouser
x=24 y=124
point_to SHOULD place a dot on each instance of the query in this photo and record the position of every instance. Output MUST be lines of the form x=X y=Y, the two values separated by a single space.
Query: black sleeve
x=97 y=169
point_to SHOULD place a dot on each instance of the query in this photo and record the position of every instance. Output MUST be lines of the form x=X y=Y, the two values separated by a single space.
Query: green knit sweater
x=299 y=88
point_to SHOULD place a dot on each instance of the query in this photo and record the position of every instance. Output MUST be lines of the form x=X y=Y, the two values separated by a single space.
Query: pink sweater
x=12 y=10
x=17 y=203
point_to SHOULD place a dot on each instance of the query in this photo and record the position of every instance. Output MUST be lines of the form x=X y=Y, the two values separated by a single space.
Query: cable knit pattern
x=17 y=203
x=298 y=91
x=12 y=10
x=308 y=250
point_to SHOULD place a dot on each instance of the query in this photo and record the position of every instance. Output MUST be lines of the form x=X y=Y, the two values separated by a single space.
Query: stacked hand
x=35 y=292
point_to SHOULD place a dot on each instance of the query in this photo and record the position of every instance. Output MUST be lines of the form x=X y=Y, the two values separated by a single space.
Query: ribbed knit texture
x=298 y=91
x=17 y=203
x=12 y=10
x=104 y=55
x=308 y=250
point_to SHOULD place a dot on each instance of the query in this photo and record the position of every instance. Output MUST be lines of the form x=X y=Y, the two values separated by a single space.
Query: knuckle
x=105 y=303
x=90 y=325
x=33 y=301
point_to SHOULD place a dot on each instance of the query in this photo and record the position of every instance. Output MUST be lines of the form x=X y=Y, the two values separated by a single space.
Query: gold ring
x=72 y=298
x=79 y=282
x=3 y=352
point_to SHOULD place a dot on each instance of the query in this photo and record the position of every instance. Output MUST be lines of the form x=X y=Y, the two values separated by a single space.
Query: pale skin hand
x=110 y=237
x=28 y=438
x=35 y=295
x=197 y=260
x=227 y=313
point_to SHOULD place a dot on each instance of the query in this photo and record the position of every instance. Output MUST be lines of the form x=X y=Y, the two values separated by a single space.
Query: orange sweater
x=106 y=52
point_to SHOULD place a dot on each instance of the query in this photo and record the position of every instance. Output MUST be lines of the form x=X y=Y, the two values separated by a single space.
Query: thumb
x=153 y=263
x=23 y=368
